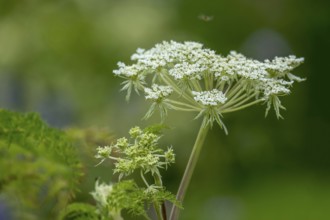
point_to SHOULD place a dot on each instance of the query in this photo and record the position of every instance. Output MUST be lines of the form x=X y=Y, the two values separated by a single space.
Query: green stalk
x=183 y=104
x=158 y=211
x=160 y=208
x=117 y=216
x=241 y=107
x=169 y=82
x=189 y=169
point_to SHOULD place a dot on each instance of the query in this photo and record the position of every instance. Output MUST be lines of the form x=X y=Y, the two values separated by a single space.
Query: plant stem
x=164 y=211
x=160 y=208
x=189 y=169
x=158 y=211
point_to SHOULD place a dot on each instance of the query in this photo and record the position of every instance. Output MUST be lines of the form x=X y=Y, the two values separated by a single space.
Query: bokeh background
x=57 y=57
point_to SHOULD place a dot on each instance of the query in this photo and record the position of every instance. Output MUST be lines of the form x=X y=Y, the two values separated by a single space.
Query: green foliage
x=111 y=199
x=79 y=211
x=127 y=195
x=156 y=128
x=39 y=166
x=138 y=153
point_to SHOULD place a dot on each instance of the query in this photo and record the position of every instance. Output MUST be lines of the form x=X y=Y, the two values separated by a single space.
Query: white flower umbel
x=210 y=98
x=157 y=92
x=201 y=78
x=206 y=83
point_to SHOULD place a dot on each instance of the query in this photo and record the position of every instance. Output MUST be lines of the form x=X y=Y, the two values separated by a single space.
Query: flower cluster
x=157 y=92
x=142 y=154
x=211 y=98
x=139 y=153
x=206 y=82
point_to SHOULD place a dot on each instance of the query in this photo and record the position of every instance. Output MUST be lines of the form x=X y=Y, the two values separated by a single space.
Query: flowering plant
x=187 y=77
x=144 y=155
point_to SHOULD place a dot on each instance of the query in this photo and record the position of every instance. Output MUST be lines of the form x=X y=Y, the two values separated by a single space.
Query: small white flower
x=157 y=92
x=101 y=193
x=210 y=98
x=191 y=71
x=128 y=71
x=276 y=87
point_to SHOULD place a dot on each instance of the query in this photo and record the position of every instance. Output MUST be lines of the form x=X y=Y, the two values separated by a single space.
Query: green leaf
x=156 y=129
x=79 y=211
x=126 y=195
x=39 y=167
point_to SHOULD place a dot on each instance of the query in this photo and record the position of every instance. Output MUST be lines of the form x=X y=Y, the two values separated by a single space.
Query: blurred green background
x=57 y=57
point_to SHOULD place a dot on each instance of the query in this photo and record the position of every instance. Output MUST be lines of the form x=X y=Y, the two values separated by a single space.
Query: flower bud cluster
x=141 y=154
x=138 y=153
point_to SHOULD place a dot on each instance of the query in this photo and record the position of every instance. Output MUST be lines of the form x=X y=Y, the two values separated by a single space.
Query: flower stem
x=158 y=211
x=189 y=169
x=160 y=208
